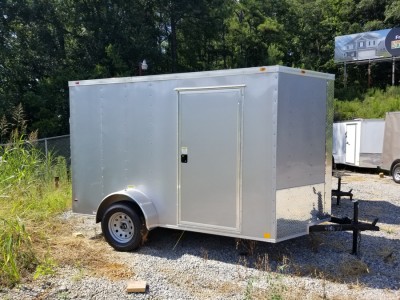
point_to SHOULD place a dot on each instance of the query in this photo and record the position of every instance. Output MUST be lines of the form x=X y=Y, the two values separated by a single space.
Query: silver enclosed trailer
x=243 y=153
x=391 y=145
x=358 y=142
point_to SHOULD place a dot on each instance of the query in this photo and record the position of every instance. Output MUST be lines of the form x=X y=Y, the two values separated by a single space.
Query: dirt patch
x=353 y=178
x=88 y=251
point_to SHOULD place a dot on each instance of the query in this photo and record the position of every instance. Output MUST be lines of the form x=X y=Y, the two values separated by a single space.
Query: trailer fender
x=137 y=199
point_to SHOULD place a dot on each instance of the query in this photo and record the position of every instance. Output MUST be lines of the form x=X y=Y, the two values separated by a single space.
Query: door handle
x=184 y=158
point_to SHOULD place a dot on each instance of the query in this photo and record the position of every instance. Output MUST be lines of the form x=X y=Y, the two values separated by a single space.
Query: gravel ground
x=200 y=266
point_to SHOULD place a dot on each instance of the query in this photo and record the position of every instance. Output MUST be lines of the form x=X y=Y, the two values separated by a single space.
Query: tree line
x=46 y=43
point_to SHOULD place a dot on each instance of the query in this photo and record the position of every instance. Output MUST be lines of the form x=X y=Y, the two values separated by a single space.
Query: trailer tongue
x=346 y=224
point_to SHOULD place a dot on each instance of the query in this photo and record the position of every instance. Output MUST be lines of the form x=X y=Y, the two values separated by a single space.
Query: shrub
x=373 y=104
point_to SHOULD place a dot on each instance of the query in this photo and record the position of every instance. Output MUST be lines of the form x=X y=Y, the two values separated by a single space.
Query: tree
x=254 y=27
x=46 y=43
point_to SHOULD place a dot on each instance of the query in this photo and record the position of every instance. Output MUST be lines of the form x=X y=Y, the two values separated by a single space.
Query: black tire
x=122 y=227
x=396 y=173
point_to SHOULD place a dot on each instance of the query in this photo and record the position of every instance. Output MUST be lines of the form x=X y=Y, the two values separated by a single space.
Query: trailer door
x=351 y=140
x=209 y=157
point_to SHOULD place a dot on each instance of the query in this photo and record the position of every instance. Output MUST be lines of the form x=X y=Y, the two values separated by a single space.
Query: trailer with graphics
x=243 y=153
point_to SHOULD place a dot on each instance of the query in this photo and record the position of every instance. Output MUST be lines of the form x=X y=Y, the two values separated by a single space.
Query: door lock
x=184 y=158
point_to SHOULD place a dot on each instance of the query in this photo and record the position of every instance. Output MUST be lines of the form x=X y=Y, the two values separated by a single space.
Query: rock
x=62 y=289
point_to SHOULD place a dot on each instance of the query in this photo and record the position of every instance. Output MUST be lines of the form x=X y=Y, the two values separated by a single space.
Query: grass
x=388 y=229
x=34 y=239
x=388 y=254
x=28 y=203
x=89 y=255
x=275 y=289
x=17 y=256
x=352 y=267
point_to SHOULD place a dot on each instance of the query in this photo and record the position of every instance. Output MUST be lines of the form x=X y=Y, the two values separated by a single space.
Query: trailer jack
x=346 y=224
x=339 y=193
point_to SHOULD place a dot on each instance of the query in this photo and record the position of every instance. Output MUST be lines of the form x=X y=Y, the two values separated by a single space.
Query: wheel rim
x=396 y=173
x=121 y=227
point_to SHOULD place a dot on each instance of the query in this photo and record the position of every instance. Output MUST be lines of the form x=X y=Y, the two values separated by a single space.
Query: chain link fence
x=58 y=146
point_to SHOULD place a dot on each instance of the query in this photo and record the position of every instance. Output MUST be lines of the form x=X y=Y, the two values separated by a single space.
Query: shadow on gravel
x=319 y=255
x=387 y=212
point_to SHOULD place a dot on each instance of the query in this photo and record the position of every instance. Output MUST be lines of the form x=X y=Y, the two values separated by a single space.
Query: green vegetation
x=16 y=254
x=276 y=290
x=46 y=43
x=45 y=268
x=373 y=104
x=28 y=202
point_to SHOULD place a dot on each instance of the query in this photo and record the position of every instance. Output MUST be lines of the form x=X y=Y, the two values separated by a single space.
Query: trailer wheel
x=122 y=227
x=396 y=173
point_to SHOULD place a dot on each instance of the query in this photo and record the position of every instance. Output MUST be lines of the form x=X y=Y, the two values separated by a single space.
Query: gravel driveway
x=201 y=266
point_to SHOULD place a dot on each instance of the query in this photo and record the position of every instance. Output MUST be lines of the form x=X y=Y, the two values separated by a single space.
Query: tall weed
x=27 y=196
x=21 y=165
x=16 y=256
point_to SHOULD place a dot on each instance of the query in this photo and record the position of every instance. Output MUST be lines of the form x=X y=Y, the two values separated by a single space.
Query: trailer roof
x=255 y=70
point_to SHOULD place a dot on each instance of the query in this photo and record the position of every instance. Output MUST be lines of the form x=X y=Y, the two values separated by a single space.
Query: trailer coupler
x=346 y=224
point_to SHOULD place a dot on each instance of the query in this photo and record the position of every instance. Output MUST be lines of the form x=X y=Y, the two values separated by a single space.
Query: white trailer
x=358 y=142
x=243 y=153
